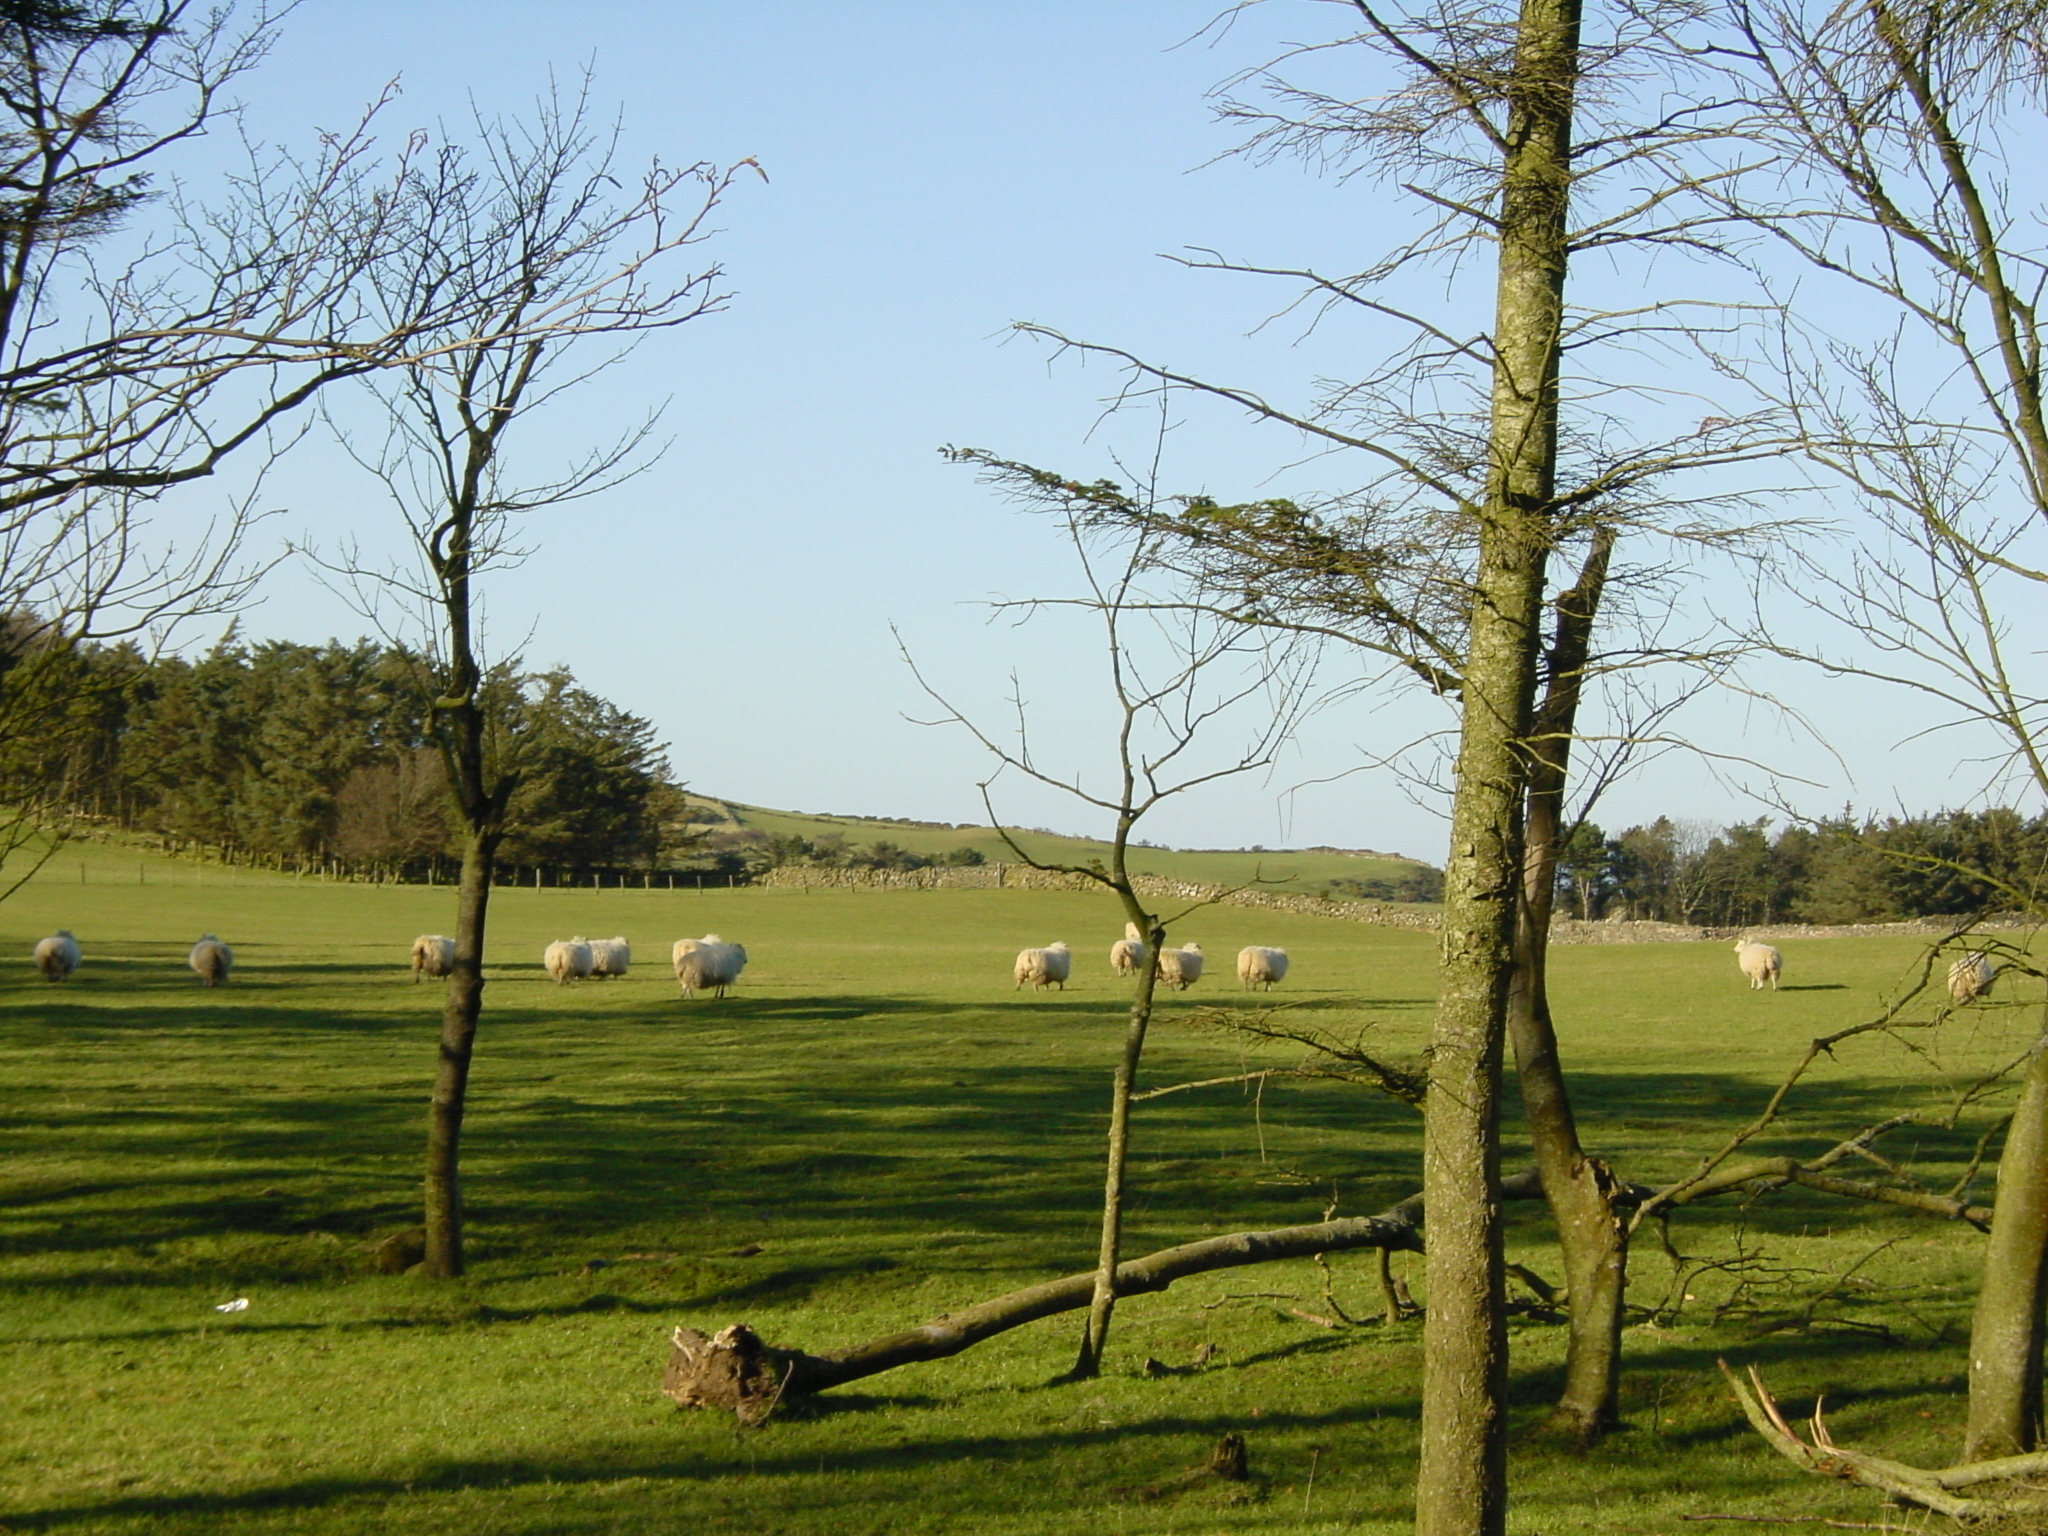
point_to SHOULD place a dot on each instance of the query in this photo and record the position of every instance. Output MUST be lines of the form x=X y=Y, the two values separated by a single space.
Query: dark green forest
x=1844 y=869
x=324 y=755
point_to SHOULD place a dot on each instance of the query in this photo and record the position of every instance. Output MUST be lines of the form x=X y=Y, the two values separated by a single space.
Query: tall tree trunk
x=459 y=1015
x=1461 y=1483
x=1095 y=1338
x=2006 y=1335
x=1591 y=1234
x=462 y=726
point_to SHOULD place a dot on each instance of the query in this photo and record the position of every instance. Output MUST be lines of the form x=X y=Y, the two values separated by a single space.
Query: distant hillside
x=1306 y=869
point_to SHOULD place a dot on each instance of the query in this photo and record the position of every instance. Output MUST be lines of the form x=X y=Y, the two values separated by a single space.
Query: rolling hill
x=1305 y=869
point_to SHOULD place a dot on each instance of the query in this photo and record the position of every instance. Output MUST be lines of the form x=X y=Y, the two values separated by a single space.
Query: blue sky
x=936 y=172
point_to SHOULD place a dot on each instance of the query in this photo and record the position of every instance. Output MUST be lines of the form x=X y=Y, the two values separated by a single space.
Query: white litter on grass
x=239 y=1304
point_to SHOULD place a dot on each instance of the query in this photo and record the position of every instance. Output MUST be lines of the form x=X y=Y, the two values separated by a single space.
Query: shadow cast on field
x=836 y=1113
x=969 y=1146
x=1808 y=1356
x=231 y=1010
x=443 y=1318
x=1169 y=1438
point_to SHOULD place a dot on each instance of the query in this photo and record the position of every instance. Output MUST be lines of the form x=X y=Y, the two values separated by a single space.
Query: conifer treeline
x=1843 y=870
x=313 y=753
x=300 y=753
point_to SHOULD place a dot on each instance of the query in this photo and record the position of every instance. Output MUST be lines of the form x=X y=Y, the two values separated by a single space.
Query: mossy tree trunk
x=2006 y=1333
x=1461 y=1484
x=1592 y=1233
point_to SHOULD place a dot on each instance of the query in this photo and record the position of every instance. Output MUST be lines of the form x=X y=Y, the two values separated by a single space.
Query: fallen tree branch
x=1839 y=1525
x=736 y=1370
x=1789 y=1170
x=1928 y=1488
x=1212 y=1082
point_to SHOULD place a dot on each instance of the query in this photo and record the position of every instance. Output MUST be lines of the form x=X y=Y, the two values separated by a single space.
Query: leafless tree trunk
x=1438 y=560
x=538 y=256
x=2006 y=1340
x=1102 y=1301
x=1162 y=708
x=459 y=1017
x=1461 y=1485
x=1891 y=126
x=1592 y=1233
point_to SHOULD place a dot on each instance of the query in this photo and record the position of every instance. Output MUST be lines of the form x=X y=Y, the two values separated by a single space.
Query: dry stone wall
x=1383 y=914
x=1023 y=877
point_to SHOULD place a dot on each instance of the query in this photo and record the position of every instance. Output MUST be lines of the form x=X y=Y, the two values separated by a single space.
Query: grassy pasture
x=900 y=1133
x=1287 y=869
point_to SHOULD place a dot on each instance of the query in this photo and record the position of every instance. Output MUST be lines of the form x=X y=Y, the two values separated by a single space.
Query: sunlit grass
x=900 y=1133
x=1306 y=869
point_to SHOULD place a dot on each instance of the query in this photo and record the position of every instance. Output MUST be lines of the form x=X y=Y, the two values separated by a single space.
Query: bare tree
x=149 y=338
x=1496 y=449
x=548 y=271
x=1173 y=676
x=1887 y=127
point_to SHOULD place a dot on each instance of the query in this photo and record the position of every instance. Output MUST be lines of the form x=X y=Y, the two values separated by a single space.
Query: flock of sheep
x=711 y=965
x=1257 y=965
x=58 y=956
x=708 y=964
x=1969 y=978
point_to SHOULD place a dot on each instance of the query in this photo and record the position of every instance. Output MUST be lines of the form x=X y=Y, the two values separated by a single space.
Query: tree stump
x=731 y=1369
x=399 y=1252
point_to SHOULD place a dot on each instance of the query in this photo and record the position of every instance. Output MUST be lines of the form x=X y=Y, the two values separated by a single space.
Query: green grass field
x=900 y=1134
x=1298 y=869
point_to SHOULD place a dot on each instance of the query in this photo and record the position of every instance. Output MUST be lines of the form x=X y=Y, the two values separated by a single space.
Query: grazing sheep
x=567 y=960
x=433 y=954
x=1968 y=979
x=57 y=956
x=1258 y=966
x=708 y=964
x=610 y=957
x=212 y=960
x=1181 y=968
x=1048 y=967
x=1759 y=962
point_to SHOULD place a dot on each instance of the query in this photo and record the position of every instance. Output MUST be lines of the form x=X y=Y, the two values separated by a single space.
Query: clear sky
x=936 y=171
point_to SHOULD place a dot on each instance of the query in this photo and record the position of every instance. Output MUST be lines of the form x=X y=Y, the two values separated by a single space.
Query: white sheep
x=567 y=960
x=708 y=964
x=57 y=956
x=212 y=960
x=1128 y=953
x=433 y=954
x=610 y=957
x=1181 y=968
x=1759 y=963
x=1968 y=979
x=1258 y=966
x=1047 y=967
